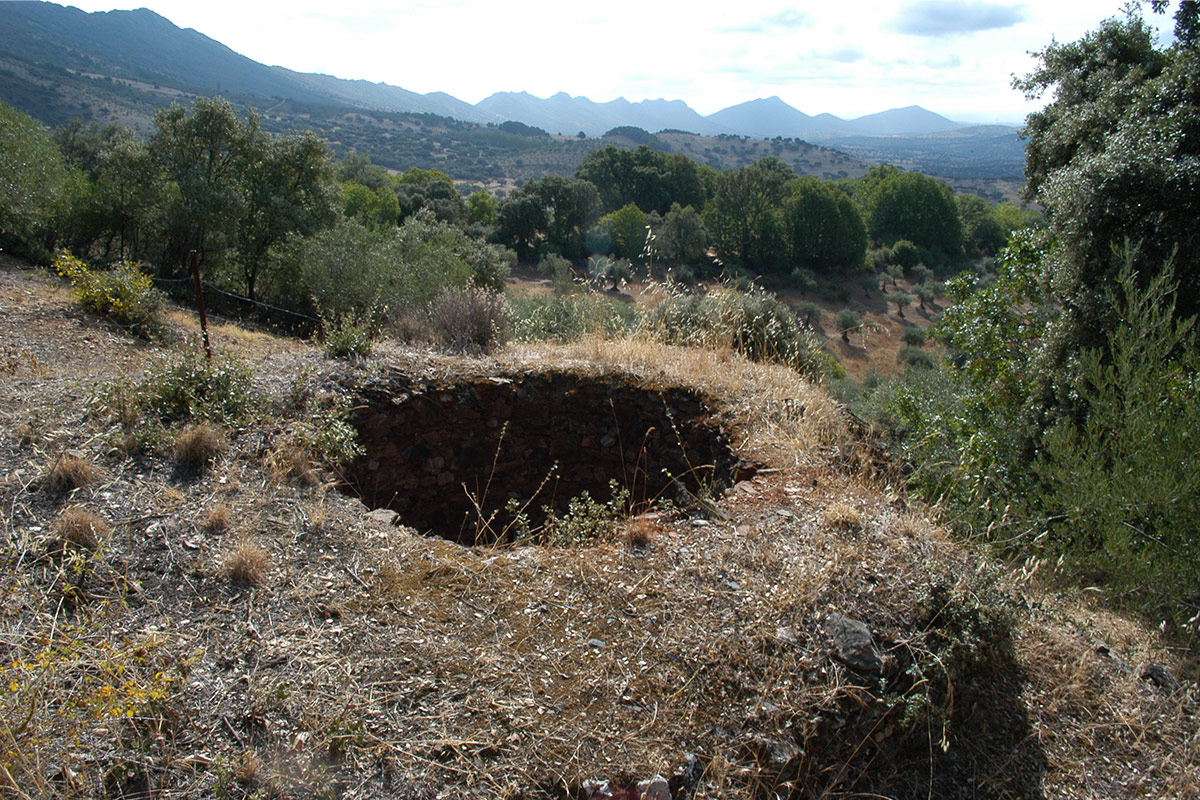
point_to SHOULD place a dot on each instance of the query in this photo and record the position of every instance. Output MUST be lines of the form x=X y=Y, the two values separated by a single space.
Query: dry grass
x=842 y=517
x=291 y=459
x=70 y=471
x=197 y=446
x=217 y=520
x=246 y=563
x=78 y=527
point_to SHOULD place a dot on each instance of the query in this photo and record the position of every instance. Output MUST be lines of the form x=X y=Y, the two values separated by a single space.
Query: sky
x=846 y=58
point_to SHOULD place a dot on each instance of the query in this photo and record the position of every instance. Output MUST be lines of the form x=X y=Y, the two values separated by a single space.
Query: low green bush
x=189 y=387
x=122 y=293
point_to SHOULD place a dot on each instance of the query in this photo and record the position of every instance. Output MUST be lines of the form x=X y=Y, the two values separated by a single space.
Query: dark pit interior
x=434 y=451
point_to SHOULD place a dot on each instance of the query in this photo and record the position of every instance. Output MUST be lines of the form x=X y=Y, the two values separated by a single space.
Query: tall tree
x=909 y=205
x=552 y=209
x=31 y=176
x=1115 y=157
x=682 y=236
x=202 y=154
x=825 y=230
x=746 y=204
x=288 y=188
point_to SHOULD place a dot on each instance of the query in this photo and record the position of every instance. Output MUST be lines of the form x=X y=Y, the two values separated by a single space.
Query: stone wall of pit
x=434 y=450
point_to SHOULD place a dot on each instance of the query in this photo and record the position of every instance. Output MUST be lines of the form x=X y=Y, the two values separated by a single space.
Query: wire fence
x=231 y=296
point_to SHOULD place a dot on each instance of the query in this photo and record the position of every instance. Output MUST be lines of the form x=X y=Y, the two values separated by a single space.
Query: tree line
x=210 y=181
x=761 y=217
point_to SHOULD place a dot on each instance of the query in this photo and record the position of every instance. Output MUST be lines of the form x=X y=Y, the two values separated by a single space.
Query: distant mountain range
x=143 y=46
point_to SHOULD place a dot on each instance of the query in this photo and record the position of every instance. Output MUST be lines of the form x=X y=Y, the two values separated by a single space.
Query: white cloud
x=945 y=17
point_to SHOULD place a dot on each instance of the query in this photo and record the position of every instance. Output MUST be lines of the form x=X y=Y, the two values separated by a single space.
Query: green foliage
x=122 y=293
x=429 y=190
x=551 y=212
x=650 y=179
x=915 y=357
x=908 y=205
x=322 y=429
x=288 y=190
x=113 y=197
x=983 y=231
x=586 y=520
x=190 y=387
x=234 y=192
x=810 y=311
x=845 y=321
x=351 y=269
x=746 y=219
x=542 y=318
x=901 y=300
x=1120 y=490
x=351 y=334
x=602 y=269
x=201 y=154
x=754 y=323
x=912 y=335
x=825 y=230
x=904 y=254
x=373 y=207
x=628 y=228
x=1112 y=158
x=553 y=264
x=32 y=176
x=481 y=208
x=682 y=237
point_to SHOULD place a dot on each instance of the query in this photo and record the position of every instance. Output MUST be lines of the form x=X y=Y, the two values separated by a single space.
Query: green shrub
x=552 y=264
x=810 y=311
x=123 y=294
x=351 y=334
x=189 y=386
x=845 y=321
x=1120 y=490
x=358 y=270
x=915 y=357
x=912 y=335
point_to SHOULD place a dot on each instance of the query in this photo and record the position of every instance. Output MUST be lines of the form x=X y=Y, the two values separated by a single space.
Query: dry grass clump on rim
x=197 y=446
x=70 y=471
x=78 y=527
x=246 y=563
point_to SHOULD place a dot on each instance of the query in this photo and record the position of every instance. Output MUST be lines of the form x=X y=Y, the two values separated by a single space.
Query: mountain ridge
x=143 y=45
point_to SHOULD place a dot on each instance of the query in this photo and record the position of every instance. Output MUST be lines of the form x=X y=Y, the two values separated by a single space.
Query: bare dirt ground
x=236 y=631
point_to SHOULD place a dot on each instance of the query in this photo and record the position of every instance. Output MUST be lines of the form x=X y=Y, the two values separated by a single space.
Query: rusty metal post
x=200 y=304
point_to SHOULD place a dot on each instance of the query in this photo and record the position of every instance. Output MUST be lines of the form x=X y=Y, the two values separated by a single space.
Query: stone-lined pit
x=434 y=450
